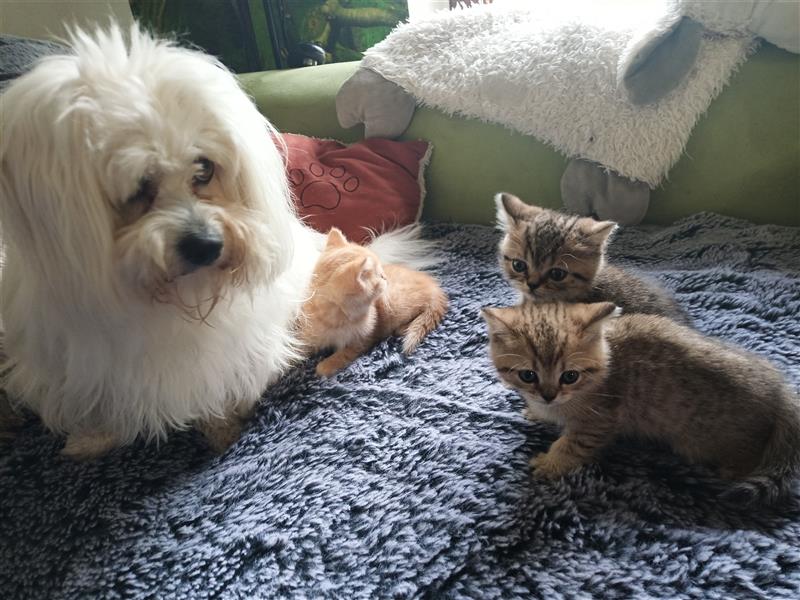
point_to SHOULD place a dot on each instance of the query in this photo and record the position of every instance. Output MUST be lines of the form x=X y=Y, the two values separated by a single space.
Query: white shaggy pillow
x=551 y=71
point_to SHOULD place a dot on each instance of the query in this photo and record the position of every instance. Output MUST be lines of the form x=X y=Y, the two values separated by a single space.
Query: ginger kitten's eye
x=520 y=266
x=204 y=173
x=528 y=376
x=557 y=274
x=569 y=377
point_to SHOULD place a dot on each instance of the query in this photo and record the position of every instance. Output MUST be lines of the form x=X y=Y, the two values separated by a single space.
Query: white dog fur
x=111 y=335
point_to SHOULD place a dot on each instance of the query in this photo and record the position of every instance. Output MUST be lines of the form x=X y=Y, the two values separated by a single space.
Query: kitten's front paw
x=532 y=412
x=328 y=367
x=550 y=465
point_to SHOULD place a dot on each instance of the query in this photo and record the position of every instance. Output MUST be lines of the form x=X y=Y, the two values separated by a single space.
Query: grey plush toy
x=383 y=107
x=659 y=56
x=590 y=189
x=663 y=52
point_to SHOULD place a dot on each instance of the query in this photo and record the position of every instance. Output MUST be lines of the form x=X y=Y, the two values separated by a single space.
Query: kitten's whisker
x=506 y=355
x=591 y=409
x=605 y=395
x=575 y=258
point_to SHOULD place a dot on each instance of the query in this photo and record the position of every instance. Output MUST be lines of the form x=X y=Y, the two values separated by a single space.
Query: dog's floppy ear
x=258 y=173
x=53 y=210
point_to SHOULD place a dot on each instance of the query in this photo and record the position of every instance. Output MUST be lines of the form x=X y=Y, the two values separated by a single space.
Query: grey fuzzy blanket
x=17 y=55
x=407 y=477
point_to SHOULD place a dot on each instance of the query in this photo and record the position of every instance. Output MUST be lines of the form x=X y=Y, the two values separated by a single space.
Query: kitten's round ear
x=590 y=315
x=511 y=209
x=365 y=267
x=597 y=232
x=335 y=238
x=368 y=264
x=494 y=318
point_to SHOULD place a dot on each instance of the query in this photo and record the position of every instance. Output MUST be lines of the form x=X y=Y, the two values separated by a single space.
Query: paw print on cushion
x=369 y=186
x=315 y=190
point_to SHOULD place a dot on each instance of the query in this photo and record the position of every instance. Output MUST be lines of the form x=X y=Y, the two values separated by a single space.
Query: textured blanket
x=407 y=476
x=17 y=55
x=551 y=70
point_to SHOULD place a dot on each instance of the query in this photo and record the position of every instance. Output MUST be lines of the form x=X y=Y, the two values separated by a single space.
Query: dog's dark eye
x=528 y=376
x=569 y=377
x=557 y=274
x=204 y=173
x=144 y=196
x=520 y=266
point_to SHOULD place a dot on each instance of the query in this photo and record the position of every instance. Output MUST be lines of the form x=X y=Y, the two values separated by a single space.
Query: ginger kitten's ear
x=336 y=239
x=365 y=267
x=597 y=232
x=589 y=317
x=511 y=209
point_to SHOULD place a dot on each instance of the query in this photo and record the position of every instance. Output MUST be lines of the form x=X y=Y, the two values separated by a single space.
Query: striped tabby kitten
x=550 y=256
x=648 y=377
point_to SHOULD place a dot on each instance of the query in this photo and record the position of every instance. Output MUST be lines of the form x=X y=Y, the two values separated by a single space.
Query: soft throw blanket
x=550 y=70
x=17 y=55
x=407 y=476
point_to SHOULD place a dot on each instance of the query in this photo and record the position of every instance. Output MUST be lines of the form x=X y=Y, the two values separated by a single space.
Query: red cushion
x=375 y=184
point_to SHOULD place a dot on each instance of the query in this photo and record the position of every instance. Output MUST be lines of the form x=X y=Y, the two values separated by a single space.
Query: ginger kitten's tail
x=426 y=321
x=405 y=246
x=773 y=480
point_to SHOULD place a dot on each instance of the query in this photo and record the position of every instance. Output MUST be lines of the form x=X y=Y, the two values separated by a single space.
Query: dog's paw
x=221 y=434
x=88 y=446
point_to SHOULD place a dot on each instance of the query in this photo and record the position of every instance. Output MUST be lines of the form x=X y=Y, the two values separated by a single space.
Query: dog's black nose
x=200 y=248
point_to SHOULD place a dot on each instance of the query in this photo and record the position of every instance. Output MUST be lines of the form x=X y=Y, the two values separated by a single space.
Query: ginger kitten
x=550 y=256
x=646 y=376
x=356 y=302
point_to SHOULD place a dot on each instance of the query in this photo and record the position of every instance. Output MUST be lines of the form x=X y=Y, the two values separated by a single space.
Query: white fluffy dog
x=154 y=264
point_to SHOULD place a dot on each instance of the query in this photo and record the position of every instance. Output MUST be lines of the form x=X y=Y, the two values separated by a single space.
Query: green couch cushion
x=743 y=158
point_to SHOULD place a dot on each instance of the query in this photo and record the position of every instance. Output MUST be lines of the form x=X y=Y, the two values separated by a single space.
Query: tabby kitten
x=646 y=376
x=356 y=302
x=550 y=256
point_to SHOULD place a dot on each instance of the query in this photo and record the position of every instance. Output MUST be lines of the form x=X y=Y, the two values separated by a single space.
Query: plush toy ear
x=384 y=107
x=511 y=209
x=659 y=56
x=336 y=239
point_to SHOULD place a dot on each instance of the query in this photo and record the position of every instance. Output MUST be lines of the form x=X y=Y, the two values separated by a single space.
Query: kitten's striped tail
x=773 y=480
x=425 y=322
